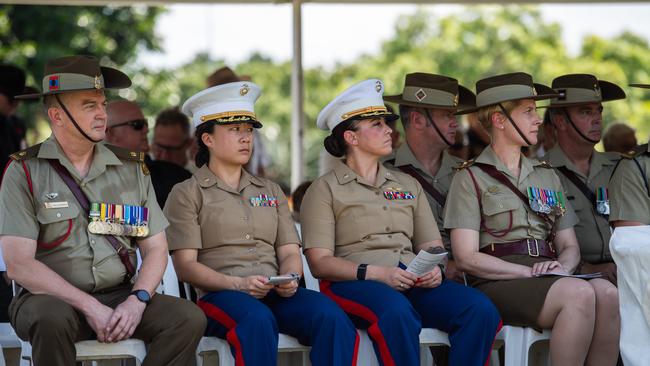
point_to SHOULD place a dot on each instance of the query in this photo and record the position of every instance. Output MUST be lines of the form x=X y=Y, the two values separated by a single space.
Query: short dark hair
x=404 y=114
x=171 y=117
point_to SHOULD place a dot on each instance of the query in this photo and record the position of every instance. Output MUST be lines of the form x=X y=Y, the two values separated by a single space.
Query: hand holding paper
x=426 y=261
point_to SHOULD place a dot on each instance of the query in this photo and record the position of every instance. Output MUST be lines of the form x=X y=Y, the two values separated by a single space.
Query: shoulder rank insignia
x=465 y=164
x=545 y=164
x=637 y=151
x=28 y=153
x=124 y=154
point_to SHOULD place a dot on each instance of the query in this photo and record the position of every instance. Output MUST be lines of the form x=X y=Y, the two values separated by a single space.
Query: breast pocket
x=497 y=210
x=265 y=223
x=55 y=224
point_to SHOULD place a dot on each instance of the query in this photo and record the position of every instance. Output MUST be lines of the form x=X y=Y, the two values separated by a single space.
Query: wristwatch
x=141 y=295
x=361 y=271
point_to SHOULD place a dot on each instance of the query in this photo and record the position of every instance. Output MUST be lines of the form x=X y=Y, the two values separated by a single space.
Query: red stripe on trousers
x=365 y=313
x=487 y=362
x=220 y=316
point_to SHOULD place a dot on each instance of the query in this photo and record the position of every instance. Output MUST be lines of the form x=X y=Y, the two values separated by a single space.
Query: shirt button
x=387 y=228
x=377 y=193
x=500 y=205
x=248 y=236
x=385 y=208
x=92 y=241
x=245 y=218
x=395 y=250
x=94 y=268
x=435 y=181
x=58 y=214
x=390 y=236
x=251 y=250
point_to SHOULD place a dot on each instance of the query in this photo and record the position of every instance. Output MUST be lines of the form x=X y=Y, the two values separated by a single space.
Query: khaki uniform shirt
x=462 y=209
x=592 y=229
x=628 y=193
x=232 y=236
x=85 y=260
x=352 y=218
x=441 y=181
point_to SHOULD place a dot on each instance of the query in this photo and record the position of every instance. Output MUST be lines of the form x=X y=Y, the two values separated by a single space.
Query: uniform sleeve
x=569 y=219
x=461 y=208
x=287 y=233
x=17 y=214
x=628 y=196
x=156 y=220
x=182 y=211
x=317 y=217
x=425 y=228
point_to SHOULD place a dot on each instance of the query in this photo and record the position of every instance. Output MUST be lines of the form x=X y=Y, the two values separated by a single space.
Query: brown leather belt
x=529 y=247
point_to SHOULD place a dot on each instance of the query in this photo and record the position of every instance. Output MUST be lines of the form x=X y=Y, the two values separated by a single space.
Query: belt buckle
x=530 y=253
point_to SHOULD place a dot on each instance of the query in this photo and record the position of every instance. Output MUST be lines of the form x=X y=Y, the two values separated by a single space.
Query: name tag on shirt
x=60 y=204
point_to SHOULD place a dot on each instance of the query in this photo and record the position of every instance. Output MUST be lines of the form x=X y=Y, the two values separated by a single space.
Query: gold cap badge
x=244 y=90
x=98 y=82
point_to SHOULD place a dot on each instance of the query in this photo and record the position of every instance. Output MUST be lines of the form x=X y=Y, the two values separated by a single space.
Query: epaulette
x=545 y=164
x=28 y=153
x=125 y=154
x=464 y=164
x=637 y=151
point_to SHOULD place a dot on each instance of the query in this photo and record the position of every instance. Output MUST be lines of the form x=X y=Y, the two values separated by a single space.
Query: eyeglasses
x=136 y=124
x=171 y=147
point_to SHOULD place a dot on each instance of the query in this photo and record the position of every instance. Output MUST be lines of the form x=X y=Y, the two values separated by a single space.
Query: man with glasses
x=127 y=128
x=171 y=138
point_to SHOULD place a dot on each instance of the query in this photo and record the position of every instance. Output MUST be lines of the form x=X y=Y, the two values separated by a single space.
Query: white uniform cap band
x=222 y=101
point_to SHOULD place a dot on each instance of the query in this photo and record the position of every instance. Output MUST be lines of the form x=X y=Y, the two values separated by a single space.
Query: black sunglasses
x=137 y=124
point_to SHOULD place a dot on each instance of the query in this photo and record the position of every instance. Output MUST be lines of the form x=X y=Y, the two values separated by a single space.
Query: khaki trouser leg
x=173 y=328
x=51 y=326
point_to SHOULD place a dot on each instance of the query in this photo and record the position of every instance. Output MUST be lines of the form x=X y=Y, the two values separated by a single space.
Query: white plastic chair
x=531 y=337
x=286 y=344
x=93 y=350
x=366 y=355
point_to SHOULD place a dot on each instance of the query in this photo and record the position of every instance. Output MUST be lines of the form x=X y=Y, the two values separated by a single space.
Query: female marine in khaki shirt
x=361 y=225
x=230 y=231
x=500 y=235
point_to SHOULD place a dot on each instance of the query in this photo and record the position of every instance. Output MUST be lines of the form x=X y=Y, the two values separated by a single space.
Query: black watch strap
x=361 y=271
x=141 y=295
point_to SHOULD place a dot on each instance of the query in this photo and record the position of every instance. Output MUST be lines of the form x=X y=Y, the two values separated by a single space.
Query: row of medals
x=545 y=208
x=114 y=228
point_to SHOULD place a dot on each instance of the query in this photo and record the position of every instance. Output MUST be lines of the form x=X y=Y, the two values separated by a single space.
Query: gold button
x=94 y=268
x=346 y=175
x=206 y=180
x=388 y=174
x=435 y=181
x=500 y=205
x=58 y=214
x=248 y=236
x=92 y=241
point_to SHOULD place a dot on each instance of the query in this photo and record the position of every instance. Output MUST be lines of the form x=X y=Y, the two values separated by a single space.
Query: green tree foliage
x=469 y=45
x=31 y=35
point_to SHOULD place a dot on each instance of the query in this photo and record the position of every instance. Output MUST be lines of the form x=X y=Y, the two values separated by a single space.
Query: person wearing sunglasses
x=127 y=126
